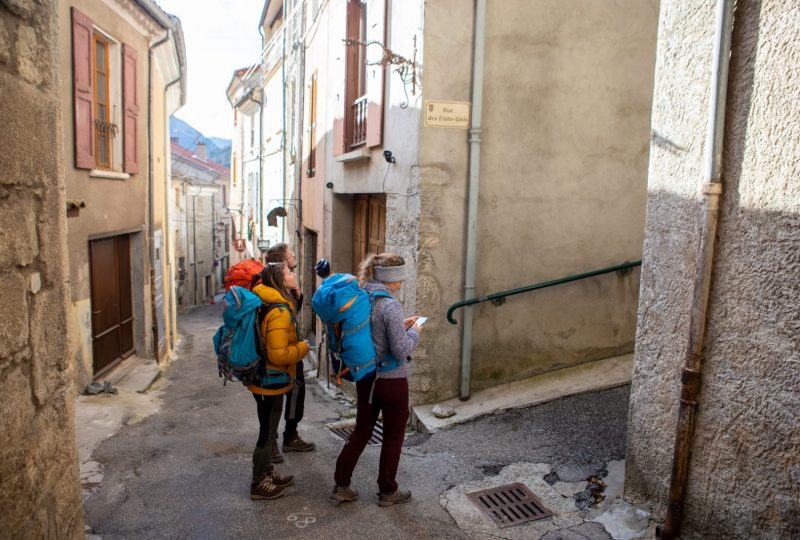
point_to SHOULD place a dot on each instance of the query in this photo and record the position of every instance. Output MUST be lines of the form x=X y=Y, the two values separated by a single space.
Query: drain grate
x=512 y=504
x=345 y=431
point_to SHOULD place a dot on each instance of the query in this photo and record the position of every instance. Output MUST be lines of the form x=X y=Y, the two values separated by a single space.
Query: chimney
x=200 y=151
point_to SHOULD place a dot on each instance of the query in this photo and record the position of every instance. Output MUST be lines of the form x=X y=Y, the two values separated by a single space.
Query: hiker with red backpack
x=381 y=382
x=295 y=399
x=241 y=274
x=284 y=350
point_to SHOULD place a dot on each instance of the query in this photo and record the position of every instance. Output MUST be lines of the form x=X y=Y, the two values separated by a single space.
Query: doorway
x=309 y=280
x=112 y=304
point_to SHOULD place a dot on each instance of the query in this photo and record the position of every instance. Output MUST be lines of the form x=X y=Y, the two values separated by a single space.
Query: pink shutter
x=83 y=90
x=130 y=101
x=376 y=31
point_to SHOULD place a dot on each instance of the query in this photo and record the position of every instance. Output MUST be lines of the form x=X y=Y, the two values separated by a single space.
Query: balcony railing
x=359 y=121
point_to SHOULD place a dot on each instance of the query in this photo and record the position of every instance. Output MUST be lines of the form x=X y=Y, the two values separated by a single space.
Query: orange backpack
x=242 y=273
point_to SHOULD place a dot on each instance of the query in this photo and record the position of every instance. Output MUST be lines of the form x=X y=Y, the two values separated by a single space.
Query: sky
x=221 y=36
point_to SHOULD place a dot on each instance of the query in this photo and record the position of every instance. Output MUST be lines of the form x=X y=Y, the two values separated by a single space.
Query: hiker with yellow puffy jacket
x=283 y=351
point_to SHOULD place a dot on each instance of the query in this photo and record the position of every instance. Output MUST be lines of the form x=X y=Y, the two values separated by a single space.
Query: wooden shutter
x=312 y=136
x=342 y=125
x=376 y=31
x=130 y=99
x=83 y=90
x=360 y=230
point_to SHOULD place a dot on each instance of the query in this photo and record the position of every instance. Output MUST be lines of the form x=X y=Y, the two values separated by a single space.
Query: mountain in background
x=217 y=149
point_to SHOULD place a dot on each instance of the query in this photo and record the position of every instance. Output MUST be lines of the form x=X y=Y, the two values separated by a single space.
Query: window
x=252 y=132
x=104 y=129
x=105 y=93
x=364 y=77
x=312 y=124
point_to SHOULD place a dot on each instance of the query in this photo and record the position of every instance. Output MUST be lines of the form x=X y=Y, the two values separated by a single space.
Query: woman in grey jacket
x=391 y=335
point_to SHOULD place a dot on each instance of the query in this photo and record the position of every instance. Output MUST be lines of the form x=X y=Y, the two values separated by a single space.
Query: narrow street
x=184 y=471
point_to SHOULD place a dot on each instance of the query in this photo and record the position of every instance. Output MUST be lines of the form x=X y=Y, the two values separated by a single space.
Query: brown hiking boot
x=277 y=457
x=342 y=494
x=397 y=497
x=281 y=481
x=266 y=489
x=296 y=444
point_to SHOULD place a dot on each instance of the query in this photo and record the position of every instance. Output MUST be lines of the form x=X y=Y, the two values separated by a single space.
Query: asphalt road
x=184 y=472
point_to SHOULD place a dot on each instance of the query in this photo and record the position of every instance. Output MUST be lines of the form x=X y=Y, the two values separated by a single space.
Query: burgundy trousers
x=391 y=397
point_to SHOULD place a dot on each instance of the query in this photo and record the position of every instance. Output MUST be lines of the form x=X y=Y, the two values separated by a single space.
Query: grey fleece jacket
x=388 y=332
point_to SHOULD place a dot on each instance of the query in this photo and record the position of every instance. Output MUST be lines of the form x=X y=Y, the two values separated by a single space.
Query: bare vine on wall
x=405 y=68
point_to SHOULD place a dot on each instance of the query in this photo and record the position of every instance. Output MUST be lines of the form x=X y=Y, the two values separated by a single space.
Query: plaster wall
x=272 y=160
x=316 y=64
x=40 y=493
x=567 y=93
x=744 y=472
x=161 y=187
x=113 y=205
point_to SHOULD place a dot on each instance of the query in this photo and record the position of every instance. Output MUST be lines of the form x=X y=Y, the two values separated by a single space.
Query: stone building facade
x=744 y=471
x=39 y=480
x=562 y=185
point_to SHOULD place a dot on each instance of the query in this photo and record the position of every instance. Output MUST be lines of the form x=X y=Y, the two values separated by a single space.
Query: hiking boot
x=281 y=481
x=343 y=494
x=266 y=489
x=277 y=457
x=396 y=497
x=296 y=444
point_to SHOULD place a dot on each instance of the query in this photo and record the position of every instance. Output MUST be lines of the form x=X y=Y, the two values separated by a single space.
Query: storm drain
x=345 y=431
x=512 y=504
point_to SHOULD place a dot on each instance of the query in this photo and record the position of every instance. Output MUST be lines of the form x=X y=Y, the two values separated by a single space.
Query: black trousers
x=294 y=406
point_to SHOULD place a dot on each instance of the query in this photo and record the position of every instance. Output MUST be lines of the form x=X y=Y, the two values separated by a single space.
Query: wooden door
x=309 y=284
x=369 y=227
x=112 y=303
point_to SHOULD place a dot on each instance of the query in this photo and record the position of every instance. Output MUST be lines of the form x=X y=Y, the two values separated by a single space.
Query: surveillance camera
x=329 y=185
x=387 y=155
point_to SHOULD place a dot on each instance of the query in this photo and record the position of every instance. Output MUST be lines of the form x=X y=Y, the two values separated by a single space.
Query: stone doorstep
x=134 y=374
x=588 y=377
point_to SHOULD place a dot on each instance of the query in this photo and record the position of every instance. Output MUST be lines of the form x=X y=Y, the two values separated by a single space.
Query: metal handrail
x=567 y=279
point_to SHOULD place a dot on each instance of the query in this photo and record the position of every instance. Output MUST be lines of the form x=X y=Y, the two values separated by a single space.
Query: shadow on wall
x=746 y=425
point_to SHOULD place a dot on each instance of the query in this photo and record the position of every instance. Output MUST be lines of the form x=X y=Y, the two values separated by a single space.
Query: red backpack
x=242 y=273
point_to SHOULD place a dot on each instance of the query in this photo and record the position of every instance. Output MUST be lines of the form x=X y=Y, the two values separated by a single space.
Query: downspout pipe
x=283 y=111
x=472 y=209
x=150 y=188
x=712 y=189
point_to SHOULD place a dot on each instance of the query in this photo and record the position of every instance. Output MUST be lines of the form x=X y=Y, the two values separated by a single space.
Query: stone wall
x=39 y=480
x=744 y=475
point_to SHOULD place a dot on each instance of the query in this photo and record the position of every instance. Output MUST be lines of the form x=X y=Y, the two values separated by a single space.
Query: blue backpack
x=238 y=343
x=345 y=309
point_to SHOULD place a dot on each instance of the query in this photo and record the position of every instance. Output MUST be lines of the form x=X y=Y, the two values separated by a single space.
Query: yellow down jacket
x=279 y=331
